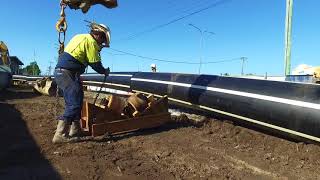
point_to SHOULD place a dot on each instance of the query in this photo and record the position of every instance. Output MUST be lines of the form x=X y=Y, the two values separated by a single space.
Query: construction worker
x=81 y=51
x=153 y=68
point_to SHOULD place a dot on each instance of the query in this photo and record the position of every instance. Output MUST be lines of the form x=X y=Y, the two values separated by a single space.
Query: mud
x=189 y=147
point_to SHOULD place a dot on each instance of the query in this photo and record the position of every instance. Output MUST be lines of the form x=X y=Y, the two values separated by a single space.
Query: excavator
x=5 y=71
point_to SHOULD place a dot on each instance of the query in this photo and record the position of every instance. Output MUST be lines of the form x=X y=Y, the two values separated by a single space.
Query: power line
x=221 y=61
x=172 y=9
x=176 y=62
x=188 y=7
x=195 y=5
x=217 y=3
x=155 y=59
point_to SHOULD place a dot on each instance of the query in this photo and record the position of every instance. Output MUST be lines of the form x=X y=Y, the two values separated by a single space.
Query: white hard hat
x=153 y=65
x=105 y=29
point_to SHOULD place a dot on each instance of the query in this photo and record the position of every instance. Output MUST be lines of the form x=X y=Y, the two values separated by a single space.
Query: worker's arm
x=98 y=67
x=94 y=58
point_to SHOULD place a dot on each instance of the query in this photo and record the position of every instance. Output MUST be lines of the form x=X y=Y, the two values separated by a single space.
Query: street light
x=243 y=59
x=201 y=43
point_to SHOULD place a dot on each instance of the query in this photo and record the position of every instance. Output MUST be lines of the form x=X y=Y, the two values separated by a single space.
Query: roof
x=15 y=58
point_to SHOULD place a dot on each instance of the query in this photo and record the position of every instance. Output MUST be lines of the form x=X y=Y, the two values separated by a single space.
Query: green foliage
x=32 y=69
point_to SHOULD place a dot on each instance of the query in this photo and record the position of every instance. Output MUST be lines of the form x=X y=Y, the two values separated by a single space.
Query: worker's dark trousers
x=71 y=87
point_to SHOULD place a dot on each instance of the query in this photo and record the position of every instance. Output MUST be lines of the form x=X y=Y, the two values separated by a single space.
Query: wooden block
x=159 y=106
x=91 y=113
x=85 y=121
x=116 y=104
x=132 y=124
x=100 y=115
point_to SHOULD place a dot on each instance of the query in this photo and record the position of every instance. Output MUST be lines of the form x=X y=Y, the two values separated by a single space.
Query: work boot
x=75 y=129
x=61 y=135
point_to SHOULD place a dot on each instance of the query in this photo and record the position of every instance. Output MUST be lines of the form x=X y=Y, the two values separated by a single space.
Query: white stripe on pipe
x=112 y=84
x=238 y=93
x=19 y=76
x=19 y=79
x=242 y=118
x=110 y=90
x=34 y=77
x=123 y=75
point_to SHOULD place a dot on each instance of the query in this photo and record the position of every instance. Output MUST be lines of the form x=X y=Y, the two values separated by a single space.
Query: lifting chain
x=61 y=26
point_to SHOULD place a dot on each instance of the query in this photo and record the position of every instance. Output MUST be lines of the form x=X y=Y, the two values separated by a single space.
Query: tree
x=32 y=69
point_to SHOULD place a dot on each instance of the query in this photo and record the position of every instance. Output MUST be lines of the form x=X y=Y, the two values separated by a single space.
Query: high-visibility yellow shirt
x=84 y=48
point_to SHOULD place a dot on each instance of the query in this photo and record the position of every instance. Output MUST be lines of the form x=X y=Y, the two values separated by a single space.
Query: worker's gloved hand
x=107 y=71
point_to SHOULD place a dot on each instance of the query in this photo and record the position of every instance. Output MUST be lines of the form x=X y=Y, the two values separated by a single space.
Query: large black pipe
x=283 y=106
x=292 y=108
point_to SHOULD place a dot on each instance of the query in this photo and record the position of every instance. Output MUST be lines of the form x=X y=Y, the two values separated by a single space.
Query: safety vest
x=84 y=48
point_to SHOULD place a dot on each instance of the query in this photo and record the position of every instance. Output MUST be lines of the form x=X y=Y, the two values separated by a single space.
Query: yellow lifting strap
x=61 y=24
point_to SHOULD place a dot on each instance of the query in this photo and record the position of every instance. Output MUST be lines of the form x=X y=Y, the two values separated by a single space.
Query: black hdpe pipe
x=284 y=107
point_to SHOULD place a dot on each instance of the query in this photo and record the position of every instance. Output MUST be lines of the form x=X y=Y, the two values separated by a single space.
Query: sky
x=158 y=32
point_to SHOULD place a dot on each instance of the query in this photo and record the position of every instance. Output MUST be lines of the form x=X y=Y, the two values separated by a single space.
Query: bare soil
x=186 y=148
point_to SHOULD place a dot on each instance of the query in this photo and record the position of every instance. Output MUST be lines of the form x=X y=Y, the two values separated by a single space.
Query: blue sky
x=243 y=28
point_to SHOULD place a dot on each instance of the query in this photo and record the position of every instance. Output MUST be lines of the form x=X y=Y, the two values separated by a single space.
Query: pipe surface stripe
x=30 y=77
x=125 y=75
x=238 y=93
x=112 y=84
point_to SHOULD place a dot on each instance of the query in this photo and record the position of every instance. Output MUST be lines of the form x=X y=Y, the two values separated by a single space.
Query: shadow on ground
x=10 y=94
x=20 y=156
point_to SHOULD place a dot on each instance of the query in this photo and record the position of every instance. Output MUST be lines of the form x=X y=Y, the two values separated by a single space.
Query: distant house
x=15 y=65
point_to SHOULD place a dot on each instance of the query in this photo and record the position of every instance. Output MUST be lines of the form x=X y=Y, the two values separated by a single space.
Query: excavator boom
x=4 y=53
x=5 y=71
x=85 y=5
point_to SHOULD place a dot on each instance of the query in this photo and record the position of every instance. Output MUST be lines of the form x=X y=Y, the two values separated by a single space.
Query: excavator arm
x=4 y=54
x=85 y=5
x=5 y=71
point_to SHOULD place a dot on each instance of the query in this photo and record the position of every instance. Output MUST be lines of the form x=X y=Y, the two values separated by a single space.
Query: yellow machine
x=5 y=71
x=4 y=54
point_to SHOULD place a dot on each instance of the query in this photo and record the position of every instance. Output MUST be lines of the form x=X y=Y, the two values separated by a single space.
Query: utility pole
x=243 y=59
x=287 y=53
x=50 y=67
x=201 y=44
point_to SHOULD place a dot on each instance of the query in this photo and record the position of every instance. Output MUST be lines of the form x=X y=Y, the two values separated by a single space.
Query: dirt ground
x=182 y=149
